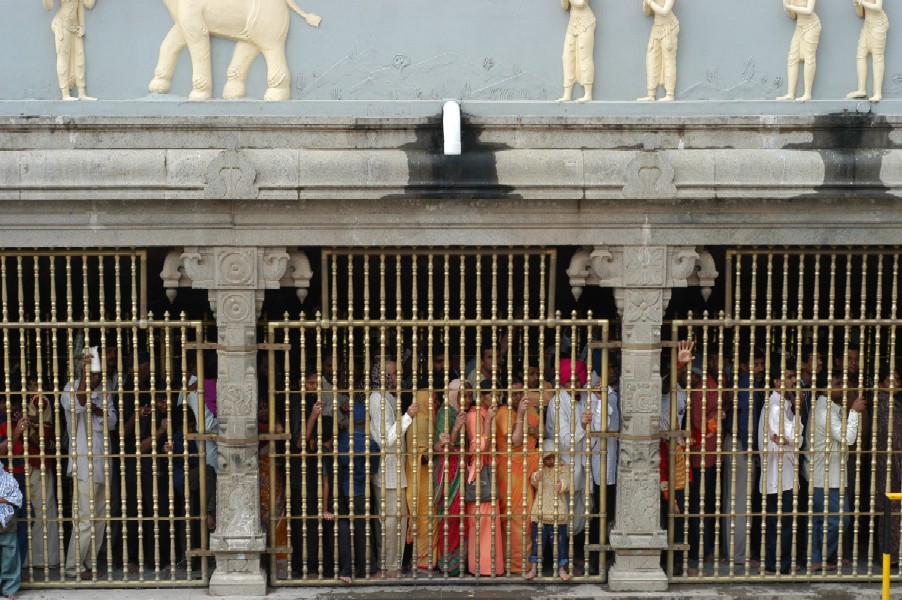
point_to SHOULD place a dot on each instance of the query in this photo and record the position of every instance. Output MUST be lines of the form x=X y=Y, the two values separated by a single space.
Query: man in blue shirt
x=360 y=484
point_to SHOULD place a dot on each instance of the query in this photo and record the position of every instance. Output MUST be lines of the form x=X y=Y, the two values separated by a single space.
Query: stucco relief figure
x=68 y=27
x=872 y=41
x=258 y=26
x=803 y=47
x=661 y=55
x=579 y=50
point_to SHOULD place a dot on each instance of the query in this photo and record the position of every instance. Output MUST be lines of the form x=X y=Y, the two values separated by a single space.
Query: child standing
x=10 y=564
x=550 y=509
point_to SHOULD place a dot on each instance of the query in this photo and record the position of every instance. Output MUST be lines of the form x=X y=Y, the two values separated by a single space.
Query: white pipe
x=451 y=121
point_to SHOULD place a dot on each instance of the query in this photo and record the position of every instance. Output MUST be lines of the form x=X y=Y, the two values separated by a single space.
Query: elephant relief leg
x=279 y=77
x=197 y=36
x=242 y=59
x=172 y=45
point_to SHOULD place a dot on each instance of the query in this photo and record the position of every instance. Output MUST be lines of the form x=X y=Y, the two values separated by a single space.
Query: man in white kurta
x=831 y=439
x=388 y=432
x=85 y=412
x=779 y=436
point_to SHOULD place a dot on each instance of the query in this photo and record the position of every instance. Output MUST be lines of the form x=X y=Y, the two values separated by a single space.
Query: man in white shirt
x=831 y=438
x=572 y=435
x=87 y=461
x=610 y=480
x=779 y=436
x=384 y=431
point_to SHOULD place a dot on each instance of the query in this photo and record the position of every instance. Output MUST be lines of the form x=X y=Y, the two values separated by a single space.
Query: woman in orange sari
x=522 y=422
x=482 y=541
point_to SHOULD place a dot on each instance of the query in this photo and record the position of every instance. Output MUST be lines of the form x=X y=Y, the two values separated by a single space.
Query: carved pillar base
x=229 y=580
x=636 y=571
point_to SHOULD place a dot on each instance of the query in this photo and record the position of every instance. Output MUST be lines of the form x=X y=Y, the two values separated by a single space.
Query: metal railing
x=792 y=420
x=378 y=395
x=111 y=498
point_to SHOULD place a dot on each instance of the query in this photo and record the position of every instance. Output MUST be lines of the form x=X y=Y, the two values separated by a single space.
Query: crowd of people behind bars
x=121 y=466
x=488 y=473
x=489 y=467
x=782 y=438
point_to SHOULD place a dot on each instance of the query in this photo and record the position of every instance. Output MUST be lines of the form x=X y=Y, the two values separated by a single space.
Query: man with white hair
x=89 y=414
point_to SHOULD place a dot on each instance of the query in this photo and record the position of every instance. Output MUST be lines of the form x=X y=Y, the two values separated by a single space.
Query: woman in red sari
x=449 y=422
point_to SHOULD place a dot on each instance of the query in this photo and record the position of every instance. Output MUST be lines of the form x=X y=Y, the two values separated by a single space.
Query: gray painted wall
x=467 y=49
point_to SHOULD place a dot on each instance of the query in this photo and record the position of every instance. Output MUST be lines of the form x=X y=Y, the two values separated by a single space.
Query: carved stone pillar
x=642 y=278
x=236 y=279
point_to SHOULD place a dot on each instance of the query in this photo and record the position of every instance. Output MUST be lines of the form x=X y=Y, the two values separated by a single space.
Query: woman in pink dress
x=482 y=541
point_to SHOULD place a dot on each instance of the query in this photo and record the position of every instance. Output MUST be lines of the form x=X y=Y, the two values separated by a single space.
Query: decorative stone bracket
x=652 y=267
x=272 y=268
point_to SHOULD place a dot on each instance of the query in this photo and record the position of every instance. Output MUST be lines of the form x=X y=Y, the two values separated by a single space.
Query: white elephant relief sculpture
x=257 y=26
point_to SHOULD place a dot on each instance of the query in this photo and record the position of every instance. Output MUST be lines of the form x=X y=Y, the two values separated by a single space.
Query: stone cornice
x=782 y=179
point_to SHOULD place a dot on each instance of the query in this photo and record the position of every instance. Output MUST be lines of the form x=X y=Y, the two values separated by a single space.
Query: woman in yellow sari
x=419 y=490
x=521 y=420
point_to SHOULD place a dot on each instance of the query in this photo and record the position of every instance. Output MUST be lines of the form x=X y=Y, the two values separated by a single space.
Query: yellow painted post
x=887 y=513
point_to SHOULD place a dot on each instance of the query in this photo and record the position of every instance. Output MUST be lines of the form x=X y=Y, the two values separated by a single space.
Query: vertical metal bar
x=430 y=357
x=400 y=447
x=508 y=456
x=477 y=520
x=352 y=434
x=384 y=400
x=768 y=337
x=367 y=362
x=784 y=364
x=320 y=488
x=718 y=444
x=856 y=505
x=42 y=411
x=571 y=443
x=88 y=418
x=830 y=363
x=305 y=452
x=336 y=410
x=413 y=453
x=801 y=429
x=493 y=456
x=814 y=384
x=526 y=527
x=875 y=377
x=892 y=391
x=166 y=457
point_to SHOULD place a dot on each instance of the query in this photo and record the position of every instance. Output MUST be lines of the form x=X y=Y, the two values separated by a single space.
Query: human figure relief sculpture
x=68 y=27
x=579 y=50
x=256 y=25
x=661 y=55
x=803 y=47
x=872 y=41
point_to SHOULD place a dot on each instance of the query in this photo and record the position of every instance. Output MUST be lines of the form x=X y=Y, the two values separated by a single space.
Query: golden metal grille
x=383 y=311
x=829 y=317
x=55 y=306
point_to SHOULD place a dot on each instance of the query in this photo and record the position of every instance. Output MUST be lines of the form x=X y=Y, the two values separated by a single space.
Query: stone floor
x=837 y=591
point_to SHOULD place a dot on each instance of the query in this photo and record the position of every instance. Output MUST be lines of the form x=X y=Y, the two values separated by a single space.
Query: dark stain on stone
x=434 y=176
x=852 y=146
